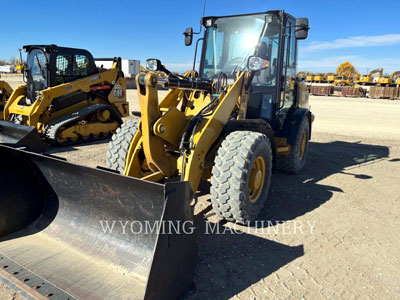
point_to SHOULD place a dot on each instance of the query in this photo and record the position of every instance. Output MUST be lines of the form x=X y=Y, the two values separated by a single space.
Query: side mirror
x=256 y=63
x=302 y=28
x=188 y=36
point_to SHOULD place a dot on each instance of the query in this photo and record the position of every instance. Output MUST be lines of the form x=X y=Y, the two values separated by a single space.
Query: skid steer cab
x=66 y=99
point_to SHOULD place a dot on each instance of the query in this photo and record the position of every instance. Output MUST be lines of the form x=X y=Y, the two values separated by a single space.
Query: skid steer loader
x=241 y=115
x=5 y=92
x=66 y=99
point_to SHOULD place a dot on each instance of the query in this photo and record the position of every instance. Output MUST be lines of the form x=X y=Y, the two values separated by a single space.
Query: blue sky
x=365 y=32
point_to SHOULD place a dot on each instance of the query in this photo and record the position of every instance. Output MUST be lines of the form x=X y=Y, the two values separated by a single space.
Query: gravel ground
x=333 y=230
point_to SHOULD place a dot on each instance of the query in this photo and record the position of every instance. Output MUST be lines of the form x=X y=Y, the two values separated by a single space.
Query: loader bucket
x=17 y=135
x=61 y=232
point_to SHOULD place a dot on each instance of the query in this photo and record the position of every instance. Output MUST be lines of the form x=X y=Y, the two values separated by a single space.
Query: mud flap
x=17 y=135
x=70 y=231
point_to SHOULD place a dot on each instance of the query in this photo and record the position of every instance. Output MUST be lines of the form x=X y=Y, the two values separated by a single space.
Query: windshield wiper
x=40 y=67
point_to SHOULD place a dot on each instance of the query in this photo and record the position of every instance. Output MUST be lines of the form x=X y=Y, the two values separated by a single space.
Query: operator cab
x=231 y=42
x=50 y=65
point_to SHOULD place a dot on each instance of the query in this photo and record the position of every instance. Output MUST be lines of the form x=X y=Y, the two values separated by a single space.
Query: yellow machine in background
x=396 y=78
x=5 y=92
x=369 y=79
x=343 y=81
x=242 y=115
x=330 y=77
x=346 y=74
x=19 y=63
x=320 y=78
x=66 y=100
x=310 y=78
x=387 y=81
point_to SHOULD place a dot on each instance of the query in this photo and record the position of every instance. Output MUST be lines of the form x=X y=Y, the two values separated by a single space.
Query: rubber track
x=52 y=128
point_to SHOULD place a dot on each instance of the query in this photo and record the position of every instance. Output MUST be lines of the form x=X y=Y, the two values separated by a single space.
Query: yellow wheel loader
x=5 y=92
x=242 y=115
x=66 y=99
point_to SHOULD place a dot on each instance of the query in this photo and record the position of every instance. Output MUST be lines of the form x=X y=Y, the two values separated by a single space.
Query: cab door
x=265 y=86
x=288 y=92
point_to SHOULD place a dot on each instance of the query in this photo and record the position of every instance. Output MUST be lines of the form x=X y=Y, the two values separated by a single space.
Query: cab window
x=71 y=67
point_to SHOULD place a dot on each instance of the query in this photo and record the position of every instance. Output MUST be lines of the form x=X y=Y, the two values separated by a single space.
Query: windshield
x=37 y=72
x=229 y=42
x=37 y=66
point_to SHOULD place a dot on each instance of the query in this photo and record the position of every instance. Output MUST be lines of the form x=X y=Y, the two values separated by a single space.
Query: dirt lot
x=333 y=230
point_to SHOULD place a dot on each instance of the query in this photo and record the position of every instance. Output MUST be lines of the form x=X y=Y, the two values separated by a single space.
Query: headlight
x=153 y=64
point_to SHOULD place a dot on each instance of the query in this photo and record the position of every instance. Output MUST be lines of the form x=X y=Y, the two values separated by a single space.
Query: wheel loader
x=66 y=99
x=5 y=92
x=242 y=115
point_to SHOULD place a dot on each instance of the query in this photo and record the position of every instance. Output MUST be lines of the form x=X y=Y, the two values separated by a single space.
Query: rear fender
x=292 y=124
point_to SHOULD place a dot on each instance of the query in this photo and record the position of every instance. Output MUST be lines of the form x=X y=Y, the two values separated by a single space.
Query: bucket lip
x=61 y=160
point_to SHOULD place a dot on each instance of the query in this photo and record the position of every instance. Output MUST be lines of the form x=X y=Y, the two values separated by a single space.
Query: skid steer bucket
x=17 y=135
x=73 y=232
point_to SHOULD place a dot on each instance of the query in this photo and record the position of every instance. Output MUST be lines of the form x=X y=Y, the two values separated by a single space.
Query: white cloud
x=329 y=64
x=354 y=42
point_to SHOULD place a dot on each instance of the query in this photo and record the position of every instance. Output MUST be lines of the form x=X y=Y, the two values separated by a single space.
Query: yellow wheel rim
x=303 y=144
x=257 y=179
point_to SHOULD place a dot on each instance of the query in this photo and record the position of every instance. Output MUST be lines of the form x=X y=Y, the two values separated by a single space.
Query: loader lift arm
x=207 y=129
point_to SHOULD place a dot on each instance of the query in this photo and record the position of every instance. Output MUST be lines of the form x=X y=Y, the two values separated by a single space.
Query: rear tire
x=241 y=176
x=119 y=145
x=296 y=160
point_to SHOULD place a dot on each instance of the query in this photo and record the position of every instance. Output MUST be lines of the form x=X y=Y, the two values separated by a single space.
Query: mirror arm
x=195 y=52
x=165 y=70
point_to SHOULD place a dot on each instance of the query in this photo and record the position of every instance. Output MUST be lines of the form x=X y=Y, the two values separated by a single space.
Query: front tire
x=241 y=176
x=119 y=146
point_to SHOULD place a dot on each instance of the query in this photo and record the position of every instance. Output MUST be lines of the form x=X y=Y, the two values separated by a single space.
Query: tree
x=346 y=69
